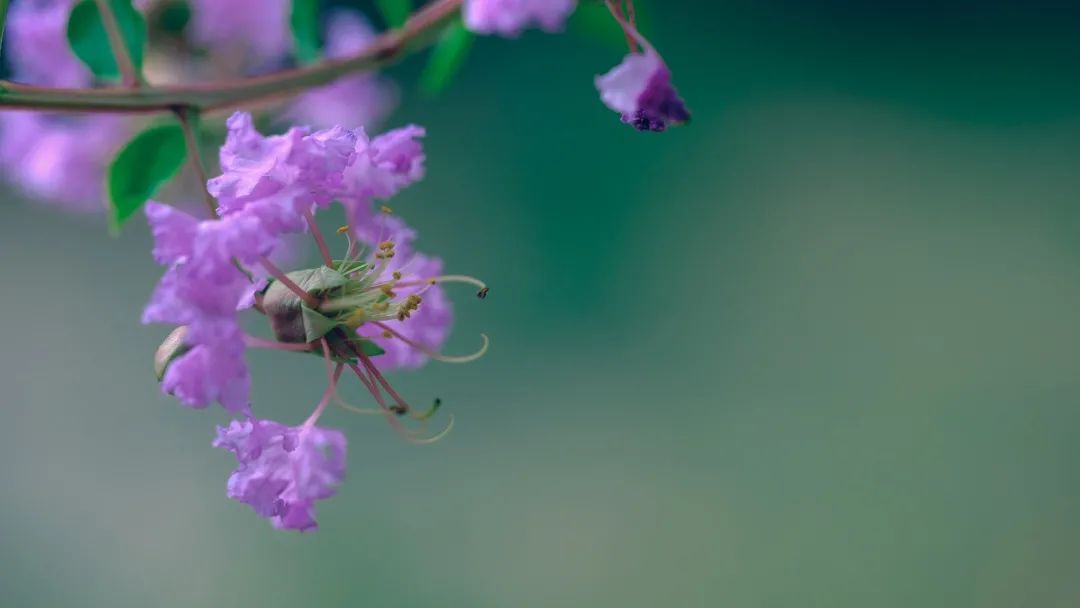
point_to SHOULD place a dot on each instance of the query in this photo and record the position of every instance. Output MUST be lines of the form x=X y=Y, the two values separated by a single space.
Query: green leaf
x=90 y=43
x=304 y=25
x=316 y=324
x=146 y=162
x=3 y=20
x=370 y=348
x=394 y=12
x=446 y=58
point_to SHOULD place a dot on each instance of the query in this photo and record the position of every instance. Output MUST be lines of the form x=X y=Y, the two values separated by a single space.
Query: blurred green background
x=818 y=348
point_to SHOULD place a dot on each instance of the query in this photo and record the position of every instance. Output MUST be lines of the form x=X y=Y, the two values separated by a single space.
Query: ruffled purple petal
x=283 y=470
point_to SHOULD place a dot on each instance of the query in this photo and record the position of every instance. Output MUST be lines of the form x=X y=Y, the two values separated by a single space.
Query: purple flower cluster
x=379 y=306
x=269 y=187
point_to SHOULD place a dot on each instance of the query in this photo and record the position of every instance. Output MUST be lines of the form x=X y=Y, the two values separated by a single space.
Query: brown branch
x=420 y=30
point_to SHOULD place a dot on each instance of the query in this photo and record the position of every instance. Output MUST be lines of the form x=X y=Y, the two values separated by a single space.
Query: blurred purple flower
x=55 y=157
x=510 y=17
x=362 y=100
x=429 y=325
x=36 y=44
x=60 y=158
x=283 y=470
x=259 y=28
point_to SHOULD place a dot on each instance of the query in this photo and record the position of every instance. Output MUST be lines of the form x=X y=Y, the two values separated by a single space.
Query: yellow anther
x=355 y=318
x=386 y=334
x=396 y=275
x=386 y=209
x=386 y=245
x=343 y=229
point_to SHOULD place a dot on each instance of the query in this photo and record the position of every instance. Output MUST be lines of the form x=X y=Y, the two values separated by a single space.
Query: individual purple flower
x=360 y=100
x=60 y=158
x=37 y=47
x=411 y=274
x=640 y=90
x=283 y=470
x=510 y=17
x=202 y=291
x=258 y=28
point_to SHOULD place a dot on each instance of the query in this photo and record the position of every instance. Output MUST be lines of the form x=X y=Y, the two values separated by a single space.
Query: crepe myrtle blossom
x=640 y=89
x=378 y=306
x=510 y=17
x=361 y=99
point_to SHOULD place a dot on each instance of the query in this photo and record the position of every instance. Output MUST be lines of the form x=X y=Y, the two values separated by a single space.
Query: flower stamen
x=439 y=356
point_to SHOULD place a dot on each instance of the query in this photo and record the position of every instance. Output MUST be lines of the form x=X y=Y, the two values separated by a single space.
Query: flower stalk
x=120 y=52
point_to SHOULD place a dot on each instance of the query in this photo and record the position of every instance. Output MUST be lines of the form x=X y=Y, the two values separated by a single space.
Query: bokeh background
x=818 y=348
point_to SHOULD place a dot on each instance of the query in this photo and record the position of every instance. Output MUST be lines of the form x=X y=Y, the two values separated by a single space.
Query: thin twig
x=189 y=123
x=276 y=272
x=129 y=75
x=420 y=30
x=319 y=240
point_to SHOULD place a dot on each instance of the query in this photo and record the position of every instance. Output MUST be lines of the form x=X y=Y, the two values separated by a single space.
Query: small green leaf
x=446 y=58
x=304 y=25
x=90 y=43
x=394 y=12
x=146 y=162
x=369 y=348
x=316 y=324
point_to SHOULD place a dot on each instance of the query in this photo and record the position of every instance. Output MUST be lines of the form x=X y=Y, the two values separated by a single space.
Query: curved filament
x=435 y=355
